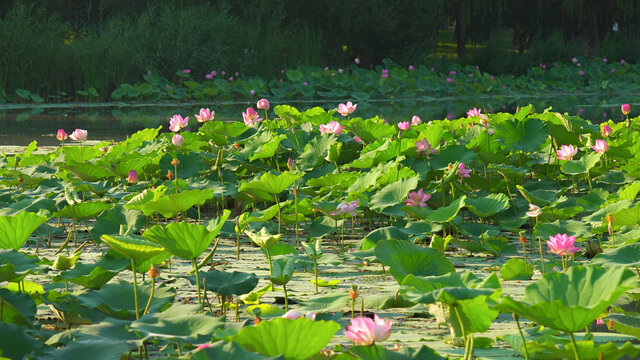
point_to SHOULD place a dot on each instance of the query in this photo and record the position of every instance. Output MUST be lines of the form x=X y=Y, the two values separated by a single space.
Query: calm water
x=20 y=123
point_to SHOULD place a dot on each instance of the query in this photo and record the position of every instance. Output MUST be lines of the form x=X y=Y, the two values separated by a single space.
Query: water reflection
x=21 y=124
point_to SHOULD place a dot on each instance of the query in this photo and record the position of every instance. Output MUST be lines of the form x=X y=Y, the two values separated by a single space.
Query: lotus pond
x=320 y=234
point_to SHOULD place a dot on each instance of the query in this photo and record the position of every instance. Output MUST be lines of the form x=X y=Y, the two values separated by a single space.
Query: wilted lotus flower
x=417 y=199
x=424 y=148
x=205 y=115
x=346 y=208
x=78 y=135
x=415 y=120
x=294 y=314
x=463 y=172
x=133 y=177
x=403 y=125
x=567 y=152
x=251 y=117
x=346 y=109
x=625 y=108
x=561 y=244
x=333 y=127
x=177 y=123
x=177 y=140
x=62 y=135
x=534 y=211
x=606 y=131
x=601 y=146
x=263 y=104
x=365 y=331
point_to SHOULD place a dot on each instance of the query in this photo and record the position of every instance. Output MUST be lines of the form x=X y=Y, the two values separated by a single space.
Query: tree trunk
x=458 y=14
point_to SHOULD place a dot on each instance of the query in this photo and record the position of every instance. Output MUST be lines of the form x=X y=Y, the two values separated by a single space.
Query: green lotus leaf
x=377 y=352
x=451 y=155
x=179 y=322
x=109 y=328
x=516 y=269
x=38 y=205
x=270 y=183
x=15 y=266
x=488 y=205
x=132 y=247
x=447 y=213
x=16 y=229
x=313 y=248
x=263 y=239
x=626 y=324
x=115 y=299
x=522 y=135
x=572 y=300
x=627 y=255
x=393 y=194
x=262 y=146
x=225 y=284
x=315 y=151
x=17 y=308
x=228 y=350
x=173 y=204
x=370 y=130
x=118 y=220
x=539 y=197
x=83 y=210
x=405 y=258
x=93 y=276
x=17 y=343
x=184 y=240
x=294 y=339
x=220 y=131
x=326 y=283
x=581 y=166
x=282 y=270
x=265 y=310
x=100 y=349
x=570 y=227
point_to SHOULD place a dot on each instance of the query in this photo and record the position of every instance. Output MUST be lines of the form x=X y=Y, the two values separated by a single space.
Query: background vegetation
x=56 y=47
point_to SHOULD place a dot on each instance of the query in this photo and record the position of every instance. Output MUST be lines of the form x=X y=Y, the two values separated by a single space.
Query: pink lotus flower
x=567 y=152
x=177 y=140
x=251 y=117
x=263 y=104
x=384 y=75
x=604 y=59
x=452 y=72
x=561 y=244
x=205 y=115
x=411 y=67
x=432 y=69
x=625 y=108
x=404 y=125
x=424 y=148
x=415 y=120
x=581 y=72
x=133 y=177
x=208 y=76
x=601 y=146
x=575 y=60
x=365 y=331
x=346 y=109
x=333 y=127
x=177 y=123
x=475 y=112
x=357 y=61
x=78 y=135
x=186 y=71
x=606 y=131
x=340 y=71
x=463 y=172
x=449 y=80
x=203 y=346
x=291 y=164
x=214 y=73
x=294 y=314
x=417 y=199
x=346 y=208
x=252 y=92
x=534 y=211
x=357 y=139
x=62 y=135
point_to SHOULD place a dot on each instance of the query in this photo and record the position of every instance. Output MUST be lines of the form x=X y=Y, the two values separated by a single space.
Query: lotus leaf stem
x=286 y=298
x=135 y=288
x=315 y=271
x=575 y=347
x=275 y=197
x=153 y=289
x=524 y=341
x=195 y=268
